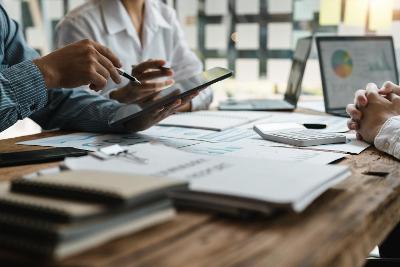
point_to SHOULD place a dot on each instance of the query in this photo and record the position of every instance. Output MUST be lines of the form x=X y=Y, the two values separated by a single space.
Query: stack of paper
x=256 y=185
x=60 y=214
x=260 y=186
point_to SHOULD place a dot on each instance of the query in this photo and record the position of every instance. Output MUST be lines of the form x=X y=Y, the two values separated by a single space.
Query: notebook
x=98 y=187
x=51 y=240
x=212 y=120
x=51 y=209
x=260 y=186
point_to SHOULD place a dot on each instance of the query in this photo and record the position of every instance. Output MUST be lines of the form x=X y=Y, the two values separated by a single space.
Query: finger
x=373 y=95
x=106 y=63
x=149 y=64
x=97 y=82
x=108 y=54
x=353 y=125
x=102 y=71
x=359 y=137
x=371 y=89
x=360 y=98
x=393 y=98
x=151 y=75
x=389 y=87
x=354 y=113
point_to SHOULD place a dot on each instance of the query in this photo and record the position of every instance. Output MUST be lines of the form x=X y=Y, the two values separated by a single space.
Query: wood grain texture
x=339 y=229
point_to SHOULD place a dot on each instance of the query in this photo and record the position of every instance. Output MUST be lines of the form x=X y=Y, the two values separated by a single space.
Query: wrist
x=49 y=76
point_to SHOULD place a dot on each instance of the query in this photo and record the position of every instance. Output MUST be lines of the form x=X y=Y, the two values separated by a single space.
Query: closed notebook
x=261 y=186
x=98 y=187
x=47 y=208
x=53 y=240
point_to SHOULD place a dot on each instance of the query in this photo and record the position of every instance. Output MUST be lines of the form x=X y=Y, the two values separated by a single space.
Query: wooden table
x=339 y=229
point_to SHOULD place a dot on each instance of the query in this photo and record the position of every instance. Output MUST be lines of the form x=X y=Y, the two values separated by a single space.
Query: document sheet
x=267 y=180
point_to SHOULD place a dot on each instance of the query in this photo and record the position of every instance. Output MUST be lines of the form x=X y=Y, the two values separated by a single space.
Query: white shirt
x=108 y=23
x=388 y=138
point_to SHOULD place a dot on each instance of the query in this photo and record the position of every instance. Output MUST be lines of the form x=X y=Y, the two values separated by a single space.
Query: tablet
x=169 y=95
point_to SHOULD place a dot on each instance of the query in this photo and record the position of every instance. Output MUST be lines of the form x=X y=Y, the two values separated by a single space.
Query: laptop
x=348 y=63
x=293 y=90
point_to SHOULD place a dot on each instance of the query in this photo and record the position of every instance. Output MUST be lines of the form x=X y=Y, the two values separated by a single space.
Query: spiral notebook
x=98 y=187
x=60 y=214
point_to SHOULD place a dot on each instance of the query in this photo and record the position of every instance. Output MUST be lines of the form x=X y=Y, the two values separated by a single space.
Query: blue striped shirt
x=23 y=92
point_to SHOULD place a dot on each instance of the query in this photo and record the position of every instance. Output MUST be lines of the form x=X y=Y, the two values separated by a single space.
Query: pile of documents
x=224 y=164
x=227 y=184
x=63 y=213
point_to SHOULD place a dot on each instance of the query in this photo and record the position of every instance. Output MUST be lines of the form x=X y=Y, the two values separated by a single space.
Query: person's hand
x=82 y=63
x=147 y=73
x=376 y=113
x=142 y=123
x=361 y=101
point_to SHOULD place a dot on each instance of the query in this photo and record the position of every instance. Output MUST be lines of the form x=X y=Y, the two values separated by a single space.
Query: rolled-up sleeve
x=23 y=91
x=78 y=110
x=388 y=138
x=22 y=86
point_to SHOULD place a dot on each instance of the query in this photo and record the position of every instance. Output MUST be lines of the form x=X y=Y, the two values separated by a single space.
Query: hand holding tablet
x=165 y=101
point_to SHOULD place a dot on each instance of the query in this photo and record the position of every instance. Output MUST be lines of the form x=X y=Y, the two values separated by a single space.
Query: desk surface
x=339 y=229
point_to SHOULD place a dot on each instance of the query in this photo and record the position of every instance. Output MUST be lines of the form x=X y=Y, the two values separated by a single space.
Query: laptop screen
x=349 y=63
x=300 y=57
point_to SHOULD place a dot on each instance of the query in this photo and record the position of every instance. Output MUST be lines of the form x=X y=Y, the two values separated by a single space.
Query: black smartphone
x=39 y=156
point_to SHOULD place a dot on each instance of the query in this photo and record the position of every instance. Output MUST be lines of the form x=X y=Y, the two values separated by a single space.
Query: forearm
x=78 y=110
x=388 y=138
x=22 y=92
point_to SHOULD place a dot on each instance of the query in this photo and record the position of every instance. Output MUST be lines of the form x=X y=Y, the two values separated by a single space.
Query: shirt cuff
x=28 y=87
x=388 y=137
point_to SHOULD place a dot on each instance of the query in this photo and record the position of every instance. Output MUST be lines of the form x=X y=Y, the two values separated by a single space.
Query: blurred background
x=255 y=38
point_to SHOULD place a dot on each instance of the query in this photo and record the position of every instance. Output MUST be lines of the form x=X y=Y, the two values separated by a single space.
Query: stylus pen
x=128 y=76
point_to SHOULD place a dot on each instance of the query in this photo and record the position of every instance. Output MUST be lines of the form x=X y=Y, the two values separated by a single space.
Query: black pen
x=128 y=76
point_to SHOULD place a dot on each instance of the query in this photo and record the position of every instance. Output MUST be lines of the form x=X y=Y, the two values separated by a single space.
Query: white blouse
x=108 y=23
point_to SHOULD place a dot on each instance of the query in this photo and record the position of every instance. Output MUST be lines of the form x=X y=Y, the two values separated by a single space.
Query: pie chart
x=342 y=63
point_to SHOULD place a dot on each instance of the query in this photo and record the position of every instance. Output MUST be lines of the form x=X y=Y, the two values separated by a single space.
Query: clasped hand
x=372 y=107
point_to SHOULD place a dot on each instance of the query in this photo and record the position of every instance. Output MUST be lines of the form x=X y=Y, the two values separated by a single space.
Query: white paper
x=145 y=159
x=334 y=124
x=313 y=105
x=271 y=181
x=352 y=146
x=258 y=148
x=230 y=135
x=212 y=120
x=94 y=141
x=297 y=184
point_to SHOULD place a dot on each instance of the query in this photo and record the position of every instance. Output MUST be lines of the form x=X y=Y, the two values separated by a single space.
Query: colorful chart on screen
x=342 y=63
